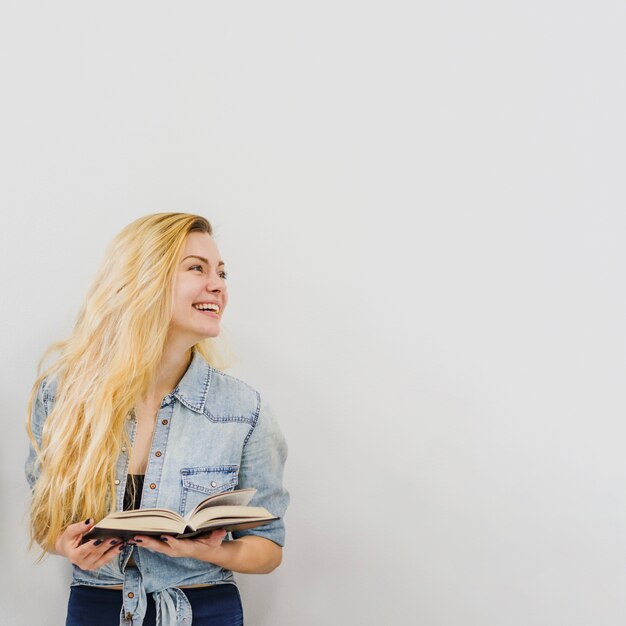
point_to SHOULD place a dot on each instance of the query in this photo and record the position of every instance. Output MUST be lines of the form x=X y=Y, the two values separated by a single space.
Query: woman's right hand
x=90 y=555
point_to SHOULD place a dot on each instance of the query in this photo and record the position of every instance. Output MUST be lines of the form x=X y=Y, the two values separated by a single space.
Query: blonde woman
x=135 y=412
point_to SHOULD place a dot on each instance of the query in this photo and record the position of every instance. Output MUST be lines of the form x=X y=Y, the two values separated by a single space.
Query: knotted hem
x=172 y=605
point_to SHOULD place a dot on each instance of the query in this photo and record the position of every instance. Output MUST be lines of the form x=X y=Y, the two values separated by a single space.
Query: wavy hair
x=103 y=368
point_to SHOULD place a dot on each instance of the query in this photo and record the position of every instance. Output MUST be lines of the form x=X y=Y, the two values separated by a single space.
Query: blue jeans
x=218 y=605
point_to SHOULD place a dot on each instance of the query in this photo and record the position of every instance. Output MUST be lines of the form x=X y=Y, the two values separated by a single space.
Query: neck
x=171 y=369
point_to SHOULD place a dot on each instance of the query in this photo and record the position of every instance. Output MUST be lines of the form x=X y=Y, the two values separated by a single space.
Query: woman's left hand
x=203 y=547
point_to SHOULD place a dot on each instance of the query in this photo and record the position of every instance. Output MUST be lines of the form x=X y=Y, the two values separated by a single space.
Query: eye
x=196 y=266
x=223 y=274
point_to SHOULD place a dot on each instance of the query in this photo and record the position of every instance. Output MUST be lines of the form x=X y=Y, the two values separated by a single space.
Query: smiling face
x=199 y=283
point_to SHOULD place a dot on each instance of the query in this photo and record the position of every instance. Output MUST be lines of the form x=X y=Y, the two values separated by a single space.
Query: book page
x=231 y=512
x=226 y=525
x=134 y=513
x=240 y=497
x=140 y=524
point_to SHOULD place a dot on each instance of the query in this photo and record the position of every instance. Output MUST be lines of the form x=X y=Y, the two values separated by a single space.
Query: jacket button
x=164 y=422
x=152 y=486
x=123 y=448
x=131 y=594
x=117 y=481
x=157 y=453
x=213 y=484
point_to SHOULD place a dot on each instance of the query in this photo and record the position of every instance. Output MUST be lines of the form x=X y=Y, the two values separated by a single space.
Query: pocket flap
x=210 y=480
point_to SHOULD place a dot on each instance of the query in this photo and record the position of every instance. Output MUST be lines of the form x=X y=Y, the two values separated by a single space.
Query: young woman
x=135 y=412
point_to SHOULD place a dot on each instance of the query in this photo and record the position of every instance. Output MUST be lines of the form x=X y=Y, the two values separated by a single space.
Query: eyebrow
x=201 y=258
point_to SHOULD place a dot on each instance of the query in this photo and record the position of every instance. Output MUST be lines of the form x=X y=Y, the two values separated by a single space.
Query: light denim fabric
x=213 y=433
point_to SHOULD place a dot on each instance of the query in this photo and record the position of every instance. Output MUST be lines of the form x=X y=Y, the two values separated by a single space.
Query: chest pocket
x=199 y=483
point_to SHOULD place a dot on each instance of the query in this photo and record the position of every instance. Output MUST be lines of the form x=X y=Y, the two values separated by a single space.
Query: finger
x=213 y=538
x=111 y=547
x=111 y=553
x=94 y=551
x=78 y=529
x=216 y=534
x=100 y=546
x=154 y=543
x=85 y=551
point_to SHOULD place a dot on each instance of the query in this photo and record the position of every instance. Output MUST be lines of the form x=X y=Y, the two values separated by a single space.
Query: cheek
x=182 y=300
x=184 y=292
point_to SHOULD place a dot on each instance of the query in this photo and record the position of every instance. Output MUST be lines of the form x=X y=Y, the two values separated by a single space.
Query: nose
x=215 y=282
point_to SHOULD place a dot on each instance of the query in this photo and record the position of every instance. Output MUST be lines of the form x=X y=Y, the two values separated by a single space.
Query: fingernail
x=97 y=542
x=114 y=542
x=163 y=538
x=131 y=543
x=138 y=540
x=88 y=520
x=121 y=547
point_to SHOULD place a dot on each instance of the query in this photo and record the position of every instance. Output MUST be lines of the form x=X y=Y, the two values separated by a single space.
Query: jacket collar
x=193 y=387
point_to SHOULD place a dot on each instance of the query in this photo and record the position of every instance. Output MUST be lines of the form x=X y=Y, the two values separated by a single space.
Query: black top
x=137 y=481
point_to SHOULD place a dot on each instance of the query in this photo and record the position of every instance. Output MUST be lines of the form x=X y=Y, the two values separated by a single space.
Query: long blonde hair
x=103 y=368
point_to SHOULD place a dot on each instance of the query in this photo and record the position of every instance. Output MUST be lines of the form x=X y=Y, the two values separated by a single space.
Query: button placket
x=124 y=460
x=157 y=456
x=134 y=601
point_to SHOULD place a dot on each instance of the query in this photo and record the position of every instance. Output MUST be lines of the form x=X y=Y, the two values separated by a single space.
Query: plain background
x=421 y=206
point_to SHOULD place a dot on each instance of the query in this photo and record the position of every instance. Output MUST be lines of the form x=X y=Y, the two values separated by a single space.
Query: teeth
x=207 y=307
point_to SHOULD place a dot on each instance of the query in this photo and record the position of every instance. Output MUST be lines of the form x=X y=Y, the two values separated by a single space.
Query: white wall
x=422 y=210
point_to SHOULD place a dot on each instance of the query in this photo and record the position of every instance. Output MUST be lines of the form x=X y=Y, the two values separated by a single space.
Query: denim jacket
x=213 y=433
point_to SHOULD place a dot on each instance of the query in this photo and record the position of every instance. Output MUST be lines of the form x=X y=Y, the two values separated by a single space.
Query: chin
x=193 y=333
x=209 y=333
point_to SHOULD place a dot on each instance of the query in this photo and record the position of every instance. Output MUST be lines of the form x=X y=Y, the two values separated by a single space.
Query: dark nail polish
x=121 y=547
x=164 y=539
x=97 y=542
x=139 y=540
x=114 y=542
x=88 y=520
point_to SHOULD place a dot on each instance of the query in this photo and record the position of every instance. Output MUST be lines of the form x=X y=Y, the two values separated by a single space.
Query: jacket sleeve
x=262 y=462
x=37 y=418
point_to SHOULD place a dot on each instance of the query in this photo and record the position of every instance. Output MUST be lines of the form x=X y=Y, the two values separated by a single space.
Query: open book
x=228 y=511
